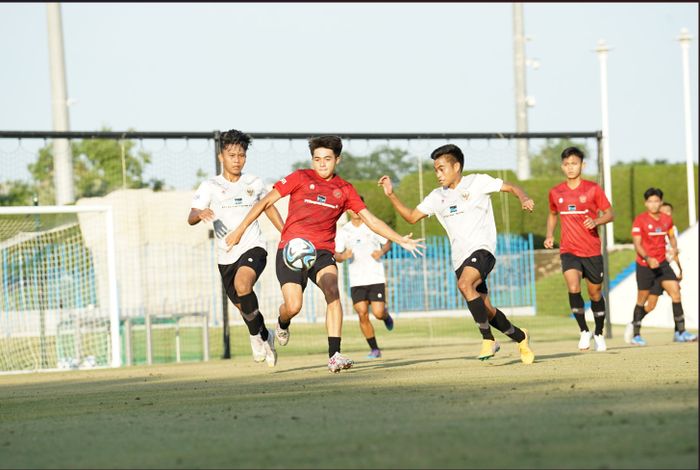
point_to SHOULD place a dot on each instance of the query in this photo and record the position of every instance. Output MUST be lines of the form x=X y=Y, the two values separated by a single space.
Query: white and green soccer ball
x=299 y=254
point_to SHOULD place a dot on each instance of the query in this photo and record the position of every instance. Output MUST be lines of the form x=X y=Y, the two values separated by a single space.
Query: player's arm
x=551 y=225
x=261 y=206
x=344 y=255
x=410 y=215
x=525 y=201
x=273 y=214
x=196 y=215
x=637 y=241
x=674 y=246
x=379 y=227
x=605 y=217
x=384 y=249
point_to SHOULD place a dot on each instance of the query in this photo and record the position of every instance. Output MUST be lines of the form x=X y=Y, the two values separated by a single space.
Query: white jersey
x=466 y=214
x=230 y=203
x=364 y=270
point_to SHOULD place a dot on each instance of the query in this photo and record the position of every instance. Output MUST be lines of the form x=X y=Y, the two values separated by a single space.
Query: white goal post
x=64 y=243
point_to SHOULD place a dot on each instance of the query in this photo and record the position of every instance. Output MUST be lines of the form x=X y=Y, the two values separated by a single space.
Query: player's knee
x=331 y=293
x=364 y=316
x=466 y=287
x=293 y=307
x=242 y=288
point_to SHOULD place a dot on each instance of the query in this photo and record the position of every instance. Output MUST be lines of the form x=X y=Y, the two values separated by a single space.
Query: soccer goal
x=58 y=303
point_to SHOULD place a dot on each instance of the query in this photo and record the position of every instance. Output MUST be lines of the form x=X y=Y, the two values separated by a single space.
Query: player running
x=463 y=207
x=317 y=199
x=579 y=204
x=224 y=200
x=648 y=235
x=363 y=249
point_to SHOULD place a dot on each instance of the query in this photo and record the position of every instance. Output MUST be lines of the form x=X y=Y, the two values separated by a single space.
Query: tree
x=382 y=161
x=99 y=167
x=16 y=193
x=548 y=161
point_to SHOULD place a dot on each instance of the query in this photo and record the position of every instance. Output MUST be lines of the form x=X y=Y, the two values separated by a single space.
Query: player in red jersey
x=317 y=199
x=578 y=203
x=649 y=232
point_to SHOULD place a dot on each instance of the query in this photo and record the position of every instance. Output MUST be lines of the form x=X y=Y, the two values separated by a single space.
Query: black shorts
x=591 y=268
x=370 y=292
x=656 y=289
x=255 y=258
x=324 y=258
x=483 y=261
x=647 y=276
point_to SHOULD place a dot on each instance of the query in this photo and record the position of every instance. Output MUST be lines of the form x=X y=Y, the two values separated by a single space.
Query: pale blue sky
x=354 y=67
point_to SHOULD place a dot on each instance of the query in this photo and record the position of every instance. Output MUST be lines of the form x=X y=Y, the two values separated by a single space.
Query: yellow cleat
x=526 y=354
x=489 y=348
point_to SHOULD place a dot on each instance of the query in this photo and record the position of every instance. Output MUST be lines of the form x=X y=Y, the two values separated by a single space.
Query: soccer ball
x=299 y=254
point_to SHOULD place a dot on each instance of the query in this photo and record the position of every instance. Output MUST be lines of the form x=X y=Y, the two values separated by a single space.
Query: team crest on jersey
x=571 y=207
x=249 y=190
x=321 y=198
x=312 y=186
x=337 y=193
x=464 y=194
x=561 y=199
x=582 y=198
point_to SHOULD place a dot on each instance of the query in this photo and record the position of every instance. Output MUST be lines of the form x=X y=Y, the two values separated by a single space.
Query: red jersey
x=315 y=205
x=653 y=232
x=573 y=206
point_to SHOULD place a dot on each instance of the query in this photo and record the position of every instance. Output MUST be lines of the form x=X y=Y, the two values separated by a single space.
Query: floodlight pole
x=523 y=162
x=62 y=156
x=685 y=39
x=602 y=51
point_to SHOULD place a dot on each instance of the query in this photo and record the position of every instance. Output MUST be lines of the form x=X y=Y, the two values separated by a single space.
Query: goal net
x=58 y=296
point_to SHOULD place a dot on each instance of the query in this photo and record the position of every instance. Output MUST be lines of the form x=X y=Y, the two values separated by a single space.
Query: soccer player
x=672 y=257
x=363 y=250
x=648 y=235
x=317 y=199
x=224 y=200
x=579 y=203
x=463 y=207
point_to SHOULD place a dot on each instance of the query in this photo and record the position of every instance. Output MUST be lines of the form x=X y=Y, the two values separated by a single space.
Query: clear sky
x=354 y=67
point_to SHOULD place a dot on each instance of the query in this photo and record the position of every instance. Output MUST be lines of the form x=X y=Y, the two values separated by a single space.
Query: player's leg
x=362 y=308
x=498 y=320
x=467 y=282
x=673 y=289
x=377 y=298
x=261 y=338
x=646 y=277
x=593 y=274
x=573 y=272
x=292 y=284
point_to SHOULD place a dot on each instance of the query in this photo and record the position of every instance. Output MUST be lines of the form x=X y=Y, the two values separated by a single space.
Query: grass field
x=426 y=404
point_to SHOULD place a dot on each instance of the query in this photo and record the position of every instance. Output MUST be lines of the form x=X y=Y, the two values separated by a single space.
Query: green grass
x=552 y=294
x=426 y=404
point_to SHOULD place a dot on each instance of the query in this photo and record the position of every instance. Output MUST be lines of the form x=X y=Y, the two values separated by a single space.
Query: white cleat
x=282 y=335
x=269 y=348
x=600 y=345
x=629 y=333
x=258 y=346
x=339 y=362
x=584 y=344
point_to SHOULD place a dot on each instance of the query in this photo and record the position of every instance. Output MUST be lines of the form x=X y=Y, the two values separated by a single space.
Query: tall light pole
x=62 y=156
x=521 y=102
x=602 y=51
x=685 y=39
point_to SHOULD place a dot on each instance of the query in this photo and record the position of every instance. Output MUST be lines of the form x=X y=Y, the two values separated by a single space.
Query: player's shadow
x=549 y=357
x=384 y=363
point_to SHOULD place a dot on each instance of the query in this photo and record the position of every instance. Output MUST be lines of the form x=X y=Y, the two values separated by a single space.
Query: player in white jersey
x=363 y=250
x=463 y=207
x=224 y=200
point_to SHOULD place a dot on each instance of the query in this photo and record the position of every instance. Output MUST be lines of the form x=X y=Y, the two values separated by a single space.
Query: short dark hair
x=332 y=142
x=233 y=137
x=572 y=151
x=449 y=150
x=667 y=204
x=653 y=192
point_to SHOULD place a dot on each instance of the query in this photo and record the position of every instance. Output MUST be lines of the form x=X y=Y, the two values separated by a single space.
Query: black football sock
x=598 y=307
x=372 y=343
x=252 y=316
x=502 y=324
x=637 y=317
x=481 y=317
x=333 y=345
x=283 y=324
x=576 y=304
x=678 y=317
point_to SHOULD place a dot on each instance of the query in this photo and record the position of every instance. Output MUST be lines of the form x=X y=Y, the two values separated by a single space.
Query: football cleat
x=685 y=337
x=389 y=322
x=269 y=348
x=489 y=348
x=638 y=341
x=585 y=342
x=600 y=345
x=282 y=335
x=258 y=346
x=526 y=354
x=374 y=354
x=338 y=362
x=629 y=333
